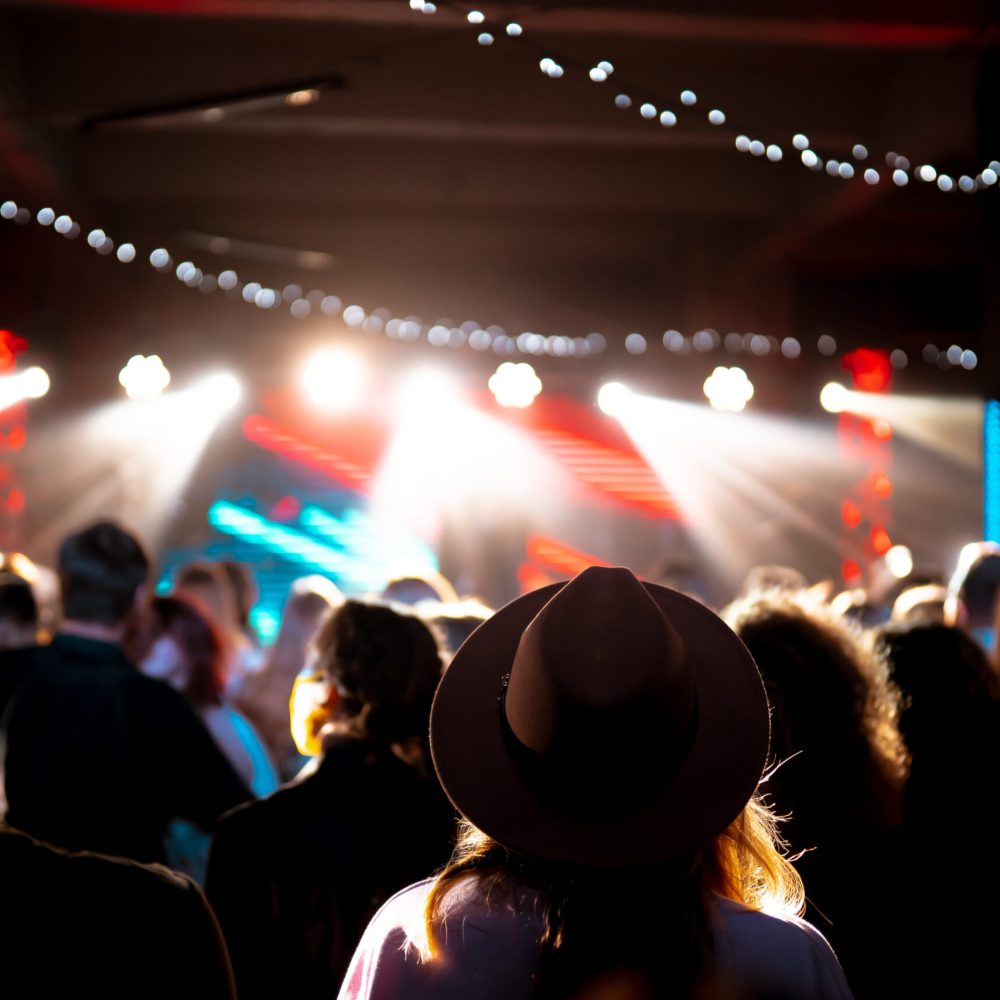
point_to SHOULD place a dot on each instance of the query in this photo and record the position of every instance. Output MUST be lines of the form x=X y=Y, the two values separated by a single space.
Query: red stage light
x=851 y=570
x=881 y=542
x=882 y=486
x=285 y=510
x=15 y=501
x=870 y=370
x=851 y=513
x=881 y=430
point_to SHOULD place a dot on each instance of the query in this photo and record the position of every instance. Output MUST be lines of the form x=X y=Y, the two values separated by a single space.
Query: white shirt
x=490 y=952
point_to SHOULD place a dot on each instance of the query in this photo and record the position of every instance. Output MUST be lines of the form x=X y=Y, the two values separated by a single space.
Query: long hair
x=385 y=667
x=200 y=644
x=649 y=926
x=835 y=718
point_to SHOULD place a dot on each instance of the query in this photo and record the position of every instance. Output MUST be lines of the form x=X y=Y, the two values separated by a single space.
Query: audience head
x=832 y=704
x=185 y=650
x=209 y=585
x=383 y=668
x=939 y=669
x=923 y=605
x=457 y=621
x=426 y=586
x=244 y=588
x=310 y=600
x=974 y=588
x=773 y=578
x=18 y=611
x=102 y=572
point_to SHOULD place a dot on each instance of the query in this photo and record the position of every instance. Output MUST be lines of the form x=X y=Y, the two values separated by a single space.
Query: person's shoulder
x=81 y=872
x=782 y=954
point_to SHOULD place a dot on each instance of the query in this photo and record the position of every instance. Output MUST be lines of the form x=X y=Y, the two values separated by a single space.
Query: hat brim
x=707 y=792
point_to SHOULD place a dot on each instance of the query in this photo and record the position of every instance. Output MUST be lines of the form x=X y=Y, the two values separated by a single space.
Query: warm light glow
x=334 y=380
x=899 y=561
x=144 y=377
x=300 y=98
x=219 y=392
x=515 y=384
x=833 y=397
x=32 y=383
x=613 y=398
x=429 y=390
x=728 y=389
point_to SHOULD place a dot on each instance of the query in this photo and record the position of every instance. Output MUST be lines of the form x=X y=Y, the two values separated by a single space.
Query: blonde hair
x=745 y=863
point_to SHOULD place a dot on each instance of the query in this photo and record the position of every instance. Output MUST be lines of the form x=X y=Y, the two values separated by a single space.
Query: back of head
x=18 y=611
x=938 y=668
x=978 y=589
x=427 y=586
x=210 y=585
x=244 y=588
x=833 y=704
x=385 y=667
x=100 y=570
x=199 y=644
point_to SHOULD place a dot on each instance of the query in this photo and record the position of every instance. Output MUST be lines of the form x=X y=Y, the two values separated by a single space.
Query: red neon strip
x=273 y=437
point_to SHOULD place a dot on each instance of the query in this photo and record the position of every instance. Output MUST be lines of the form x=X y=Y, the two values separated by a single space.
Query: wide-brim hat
x=603 y=721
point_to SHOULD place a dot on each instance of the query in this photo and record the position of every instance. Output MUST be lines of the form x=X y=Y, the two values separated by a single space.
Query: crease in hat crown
x=600 y=669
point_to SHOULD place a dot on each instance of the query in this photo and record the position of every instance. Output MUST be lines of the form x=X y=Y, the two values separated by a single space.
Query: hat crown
x=599 y=684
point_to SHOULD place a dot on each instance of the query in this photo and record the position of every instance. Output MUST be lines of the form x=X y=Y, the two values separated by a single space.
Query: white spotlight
x=899 y=561
x=144 y=378
x=515 y=385
x=334 y=380
x=32 y=383
x=428 y=390
x=221 y=391
x=728 y=389
x=833 y=397
x=613 y=399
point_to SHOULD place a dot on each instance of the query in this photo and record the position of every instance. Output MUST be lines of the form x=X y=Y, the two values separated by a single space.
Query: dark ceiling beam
x=606 y=20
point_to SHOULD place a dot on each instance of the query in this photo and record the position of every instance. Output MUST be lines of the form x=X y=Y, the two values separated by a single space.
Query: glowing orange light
x=15 y=501
x=882 y=486
x=881 y=542
x=851 y=513
x=881 y=430
x=851 y=570
x=16 y=438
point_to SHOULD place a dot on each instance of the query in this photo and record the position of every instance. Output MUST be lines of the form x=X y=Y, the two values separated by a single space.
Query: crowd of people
x=604 y=789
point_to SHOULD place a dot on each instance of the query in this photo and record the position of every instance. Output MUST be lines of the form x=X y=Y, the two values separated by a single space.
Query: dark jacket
x=75 y=925
x=295 y=878
x=101 y=758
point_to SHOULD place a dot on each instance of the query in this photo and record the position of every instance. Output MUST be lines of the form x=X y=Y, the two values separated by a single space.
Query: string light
x=302 y=305
x=599 y=74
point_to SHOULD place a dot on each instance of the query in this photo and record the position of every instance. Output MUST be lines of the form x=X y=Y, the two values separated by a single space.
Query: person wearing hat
x=604 y=740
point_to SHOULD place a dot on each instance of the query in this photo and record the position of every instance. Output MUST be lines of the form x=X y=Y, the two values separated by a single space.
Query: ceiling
x=438 y=177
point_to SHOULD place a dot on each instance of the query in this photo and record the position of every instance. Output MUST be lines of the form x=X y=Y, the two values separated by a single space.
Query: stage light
x=144 y=377
x=32 y=383
x=300 y=98
x=613 y=398
x=428 y=391
x=728 y=389
x=221 y=391
x=334 y=380
x=515 y=384
x=833 y=397
x=899 y=561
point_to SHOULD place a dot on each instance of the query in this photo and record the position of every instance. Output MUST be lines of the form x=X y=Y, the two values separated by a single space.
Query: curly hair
x=385 y=666
x=833 y=703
